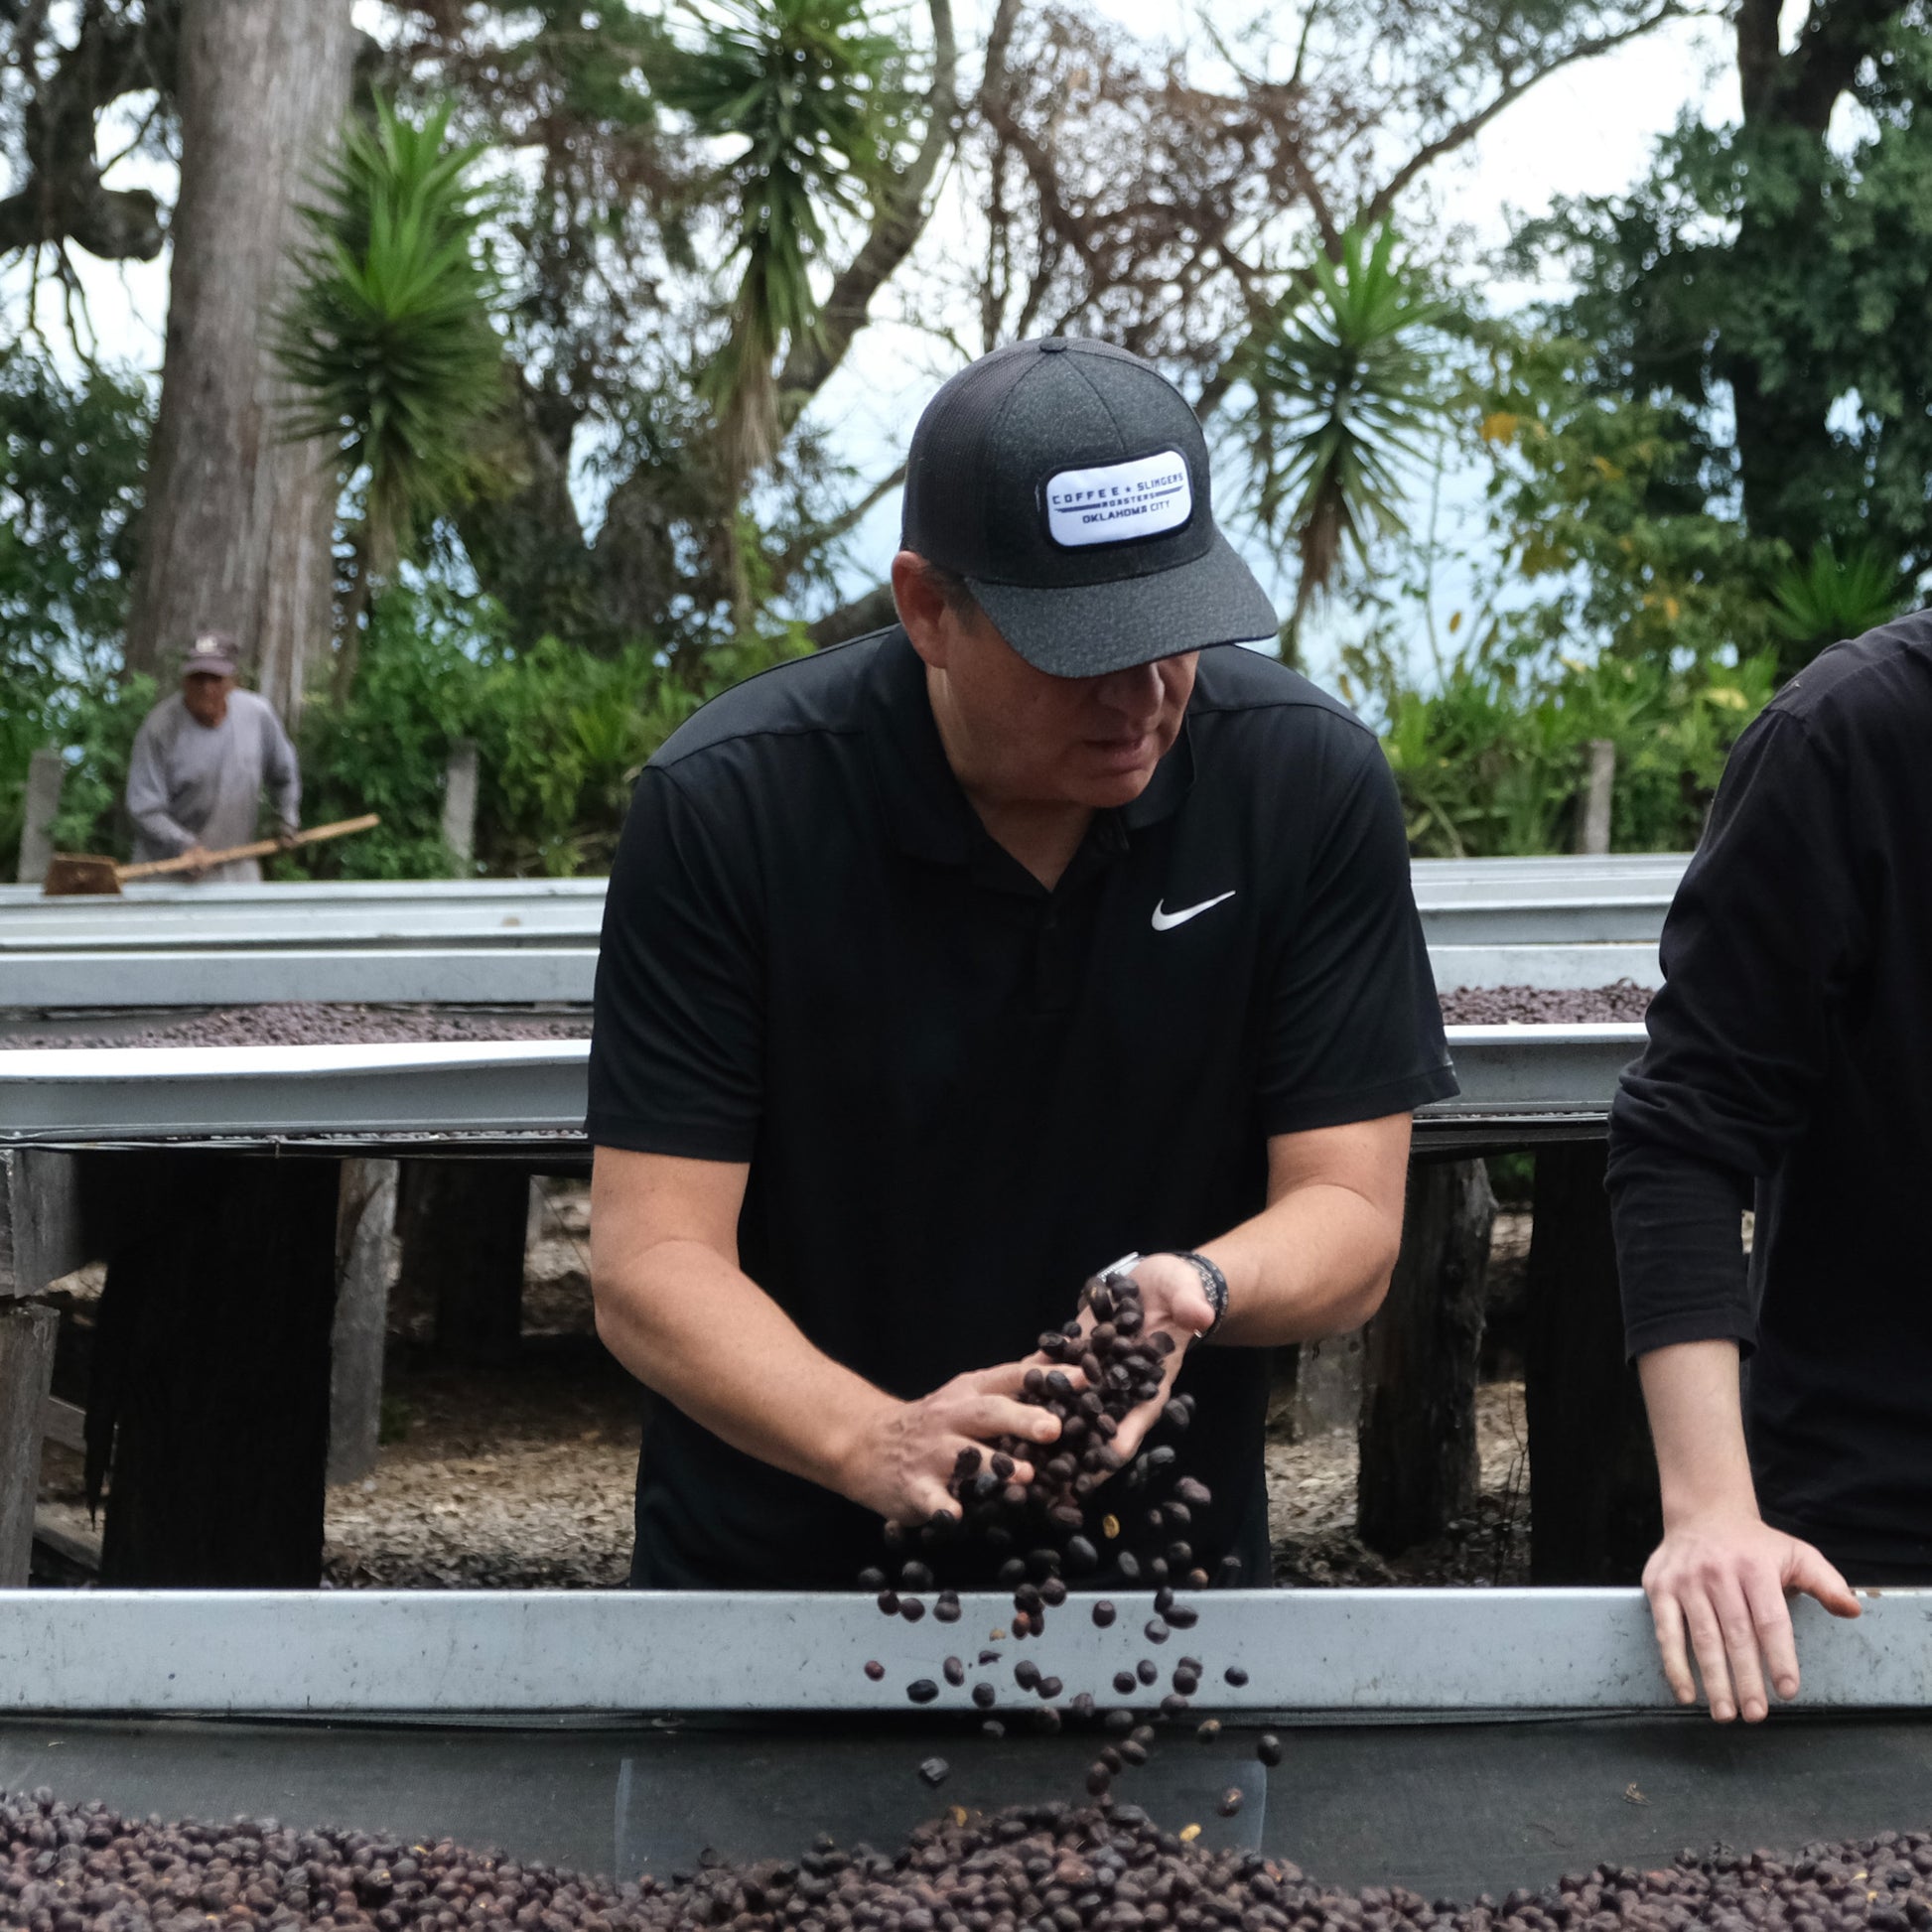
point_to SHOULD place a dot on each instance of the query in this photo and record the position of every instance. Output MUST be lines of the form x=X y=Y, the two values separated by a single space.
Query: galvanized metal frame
x=1462 y=903
x=1343 y=1652
x=125 y=1095
x=122 y=1094
x=101 y=979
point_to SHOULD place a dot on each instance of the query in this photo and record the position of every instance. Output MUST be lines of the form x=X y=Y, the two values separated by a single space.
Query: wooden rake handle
x=260 y=849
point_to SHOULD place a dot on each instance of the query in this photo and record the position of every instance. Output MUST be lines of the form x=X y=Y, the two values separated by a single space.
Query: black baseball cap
x=1068 y=482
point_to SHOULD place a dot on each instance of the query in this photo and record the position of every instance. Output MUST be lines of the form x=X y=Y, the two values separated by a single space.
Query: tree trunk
x=1418 y=1432
x=238 y=526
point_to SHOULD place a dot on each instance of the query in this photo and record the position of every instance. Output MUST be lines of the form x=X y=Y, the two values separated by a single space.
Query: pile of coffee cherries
x=67 y=1868
x=1084 y=1499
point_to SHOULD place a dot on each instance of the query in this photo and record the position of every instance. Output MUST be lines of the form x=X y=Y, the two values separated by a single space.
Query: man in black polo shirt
x=1790 y=1062
x=941 y=968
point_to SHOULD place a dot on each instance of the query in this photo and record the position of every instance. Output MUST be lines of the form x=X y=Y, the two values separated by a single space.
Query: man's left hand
x=1176 y=1305
x=284 y=837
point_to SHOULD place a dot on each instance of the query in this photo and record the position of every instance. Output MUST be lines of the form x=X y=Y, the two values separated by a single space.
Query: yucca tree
x=1829 y=597
x=1346 y=393
x=803 y=90
x=387 y=339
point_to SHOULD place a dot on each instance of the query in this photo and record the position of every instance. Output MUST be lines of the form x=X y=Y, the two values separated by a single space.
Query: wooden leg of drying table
x=1418 y=1466
x=1594 y=1504
x=462 y=1226
x=366 y=1225
x=212 y=1371
x=27 y=1334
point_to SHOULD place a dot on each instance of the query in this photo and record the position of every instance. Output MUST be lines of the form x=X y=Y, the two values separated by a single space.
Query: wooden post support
x=27 y=1334
x=1419 y=1467
x=1595 y=1515
x=45 y=771
x=1328 y=1385
x=365 y=1222
x=463 y=1225
x=459 y=802
x=1599 y=789
x=42 y=1232
x=210 y=1382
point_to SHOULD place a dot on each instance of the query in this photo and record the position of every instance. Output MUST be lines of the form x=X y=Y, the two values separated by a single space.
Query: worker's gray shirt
x=192 y=784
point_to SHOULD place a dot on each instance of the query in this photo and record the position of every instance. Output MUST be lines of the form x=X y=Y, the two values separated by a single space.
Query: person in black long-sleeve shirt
x=1790 y=1066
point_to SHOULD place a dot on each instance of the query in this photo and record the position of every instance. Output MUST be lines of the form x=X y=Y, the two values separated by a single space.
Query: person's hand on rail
x=1718 y=1584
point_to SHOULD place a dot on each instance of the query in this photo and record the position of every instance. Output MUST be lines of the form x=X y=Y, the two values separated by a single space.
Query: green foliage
x=1602 y=507
x=71 y=468
x=1491 y=763
x=1830 y=598
x=73 y=453
x=802 y=86
x=1345 y=393
x=560 y=735
x=388 y=336
x=1764 y=290
x=99 y=724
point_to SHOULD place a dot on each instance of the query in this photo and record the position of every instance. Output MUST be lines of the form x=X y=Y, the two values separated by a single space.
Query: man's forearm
x=1315 y=1262
x=700 y=1333
x=1697 y=1424
x=157 y=828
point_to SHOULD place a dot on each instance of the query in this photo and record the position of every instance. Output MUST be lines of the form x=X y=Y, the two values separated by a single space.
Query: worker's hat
x=214 y=655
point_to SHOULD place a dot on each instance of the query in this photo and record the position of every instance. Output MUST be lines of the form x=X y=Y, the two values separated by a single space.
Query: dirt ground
x=522 y=1477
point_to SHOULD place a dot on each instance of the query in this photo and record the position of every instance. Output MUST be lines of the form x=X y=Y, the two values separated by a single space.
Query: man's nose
x=1134 y=693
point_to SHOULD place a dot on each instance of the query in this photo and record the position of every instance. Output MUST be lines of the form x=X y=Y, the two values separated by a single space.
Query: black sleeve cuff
x=1304 y=1113
x=1679 y=1251
x=687 y=1139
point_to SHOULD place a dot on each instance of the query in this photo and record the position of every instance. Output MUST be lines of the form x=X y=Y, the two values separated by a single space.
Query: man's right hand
x=200 y=854
x=1723 y=1578
x=901 y=1461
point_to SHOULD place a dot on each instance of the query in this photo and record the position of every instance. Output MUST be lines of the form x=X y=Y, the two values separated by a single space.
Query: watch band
x=1214 y=1285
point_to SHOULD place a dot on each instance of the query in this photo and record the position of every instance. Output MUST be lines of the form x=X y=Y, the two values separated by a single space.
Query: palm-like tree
x=387 y=339
x=1345 y=391
x=1829 y=598
x=803 y=89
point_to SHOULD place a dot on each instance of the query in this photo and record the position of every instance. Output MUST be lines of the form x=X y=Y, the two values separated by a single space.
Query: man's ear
x=921 y=609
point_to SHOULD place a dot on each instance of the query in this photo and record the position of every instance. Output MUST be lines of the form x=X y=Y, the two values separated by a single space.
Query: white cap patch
x=1144 y=498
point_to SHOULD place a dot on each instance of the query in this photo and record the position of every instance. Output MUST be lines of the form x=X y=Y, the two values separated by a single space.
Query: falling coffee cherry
x=935 y=1771
x=876 y=1670
x=1230 y=1801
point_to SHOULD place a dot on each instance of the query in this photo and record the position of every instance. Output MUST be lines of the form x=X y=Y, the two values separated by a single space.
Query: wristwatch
x=1214 y=1284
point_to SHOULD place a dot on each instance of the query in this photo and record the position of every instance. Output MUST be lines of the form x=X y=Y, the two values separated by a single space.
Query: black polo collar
x=927 y=814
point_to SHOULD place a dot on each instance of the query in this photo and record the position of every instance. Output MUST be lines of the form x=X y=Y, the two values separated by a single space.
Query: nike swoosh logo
x=1164 y=920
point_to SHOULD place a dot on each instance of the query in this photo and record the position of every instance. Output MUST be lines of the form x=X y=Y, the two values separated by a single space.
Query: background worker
x=940 y=969
x=200 y=761
x=1790 y=1062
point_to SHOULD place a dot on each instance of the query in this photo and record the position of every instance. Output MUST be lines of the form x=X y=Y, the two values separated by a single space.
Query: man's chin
x=1108 y=792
